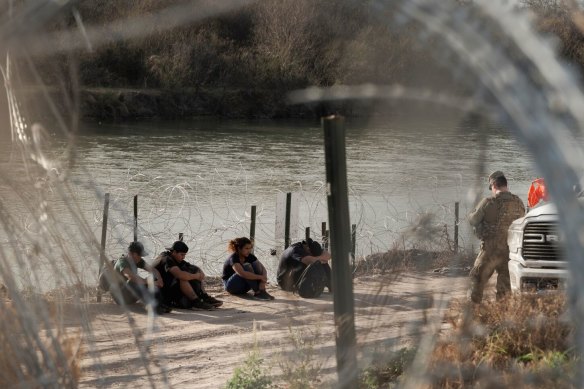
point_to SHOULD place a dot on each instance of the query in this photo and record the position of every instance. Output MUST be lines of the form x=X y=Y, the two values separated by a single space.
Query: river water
x=201 y=177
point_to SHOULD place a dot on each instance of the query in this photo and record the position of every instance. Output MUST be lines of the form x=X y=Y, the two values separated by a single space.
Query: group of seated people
x=176 y=283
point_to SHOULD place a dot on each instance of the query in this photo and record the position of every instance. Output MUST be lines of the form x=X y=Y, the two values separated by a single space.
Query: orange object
x=537 y=192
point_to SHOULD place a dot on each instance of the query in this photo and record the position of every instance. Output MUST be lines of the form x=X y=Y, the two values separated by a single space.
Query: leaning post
x=103 y=238
x=340 y=238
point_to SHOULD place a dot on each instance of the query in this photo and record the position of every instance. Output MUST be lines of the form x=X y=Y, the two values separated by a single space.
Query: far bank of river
x=123 y=104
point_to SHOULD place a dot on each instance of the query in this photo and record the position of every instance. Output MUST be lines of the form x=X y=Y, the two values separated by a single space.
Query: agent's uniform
x=491 y=220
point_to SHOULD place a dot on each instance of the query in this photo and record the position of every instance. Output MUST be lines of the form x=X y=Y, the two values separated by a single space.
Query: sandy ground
x=201 y=349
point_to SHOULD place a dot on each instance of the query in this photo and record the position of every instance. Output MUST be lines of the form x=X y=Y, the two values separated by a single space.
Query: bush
x=251 y=375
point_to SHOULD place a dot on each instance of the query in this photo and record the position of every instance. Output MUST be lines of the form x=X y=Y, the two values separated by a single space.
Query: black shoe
x=263 y=295
x=201 y=304
x=211 y=300
x=162 y=309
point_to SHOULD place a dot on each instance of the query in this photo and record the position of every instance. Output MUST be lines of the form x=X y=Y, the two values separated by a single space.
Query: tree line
x=257 y=54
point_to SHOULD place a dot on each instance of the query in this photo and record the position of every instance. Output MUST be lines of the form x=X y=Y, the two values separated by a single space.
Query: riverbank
x=394 y=305
x=124 y=104
x=202 y=348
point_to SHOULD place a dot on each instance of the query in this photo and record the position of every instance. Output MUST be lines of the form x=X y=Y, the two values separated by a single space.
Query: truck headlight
x=514 y=240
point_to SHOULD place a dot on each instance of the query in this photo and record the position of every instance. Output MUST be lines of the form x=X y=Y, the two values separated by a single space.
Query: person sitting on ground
x=136 y=288
x=296 y=259
x=184 y=280
x=242 y=271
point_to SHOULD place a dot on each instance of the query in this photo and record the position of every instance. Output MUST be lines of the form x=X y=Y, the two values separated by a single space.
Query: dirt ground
x=202 y=348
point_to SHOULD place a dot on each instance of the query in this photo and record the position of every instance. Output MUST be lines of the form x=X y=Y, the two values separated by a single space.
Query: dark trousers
x=239 y=285
x=173 y=295
x=289 y=277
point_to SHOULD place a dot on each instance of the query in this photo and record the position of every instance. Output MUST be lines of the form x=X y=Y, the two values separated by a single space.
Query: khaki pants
x=491 y=258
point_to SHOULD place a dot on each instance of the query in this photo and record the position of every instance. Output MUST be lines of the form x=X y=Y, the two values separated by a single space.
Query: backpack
x=108 y=274
x=312 y=281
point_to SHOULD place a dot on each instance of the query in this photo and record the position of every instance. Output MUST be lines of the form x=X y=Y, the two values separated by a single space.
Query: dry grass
x=32 y=354
x=398 y=260
x=524 y=340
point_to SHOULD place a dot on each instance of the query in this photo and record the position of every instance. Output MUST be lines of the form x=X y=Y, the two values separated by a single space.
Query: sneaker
x=201 y=304
x=263 y=295
x=211 y=300
x=162 y=309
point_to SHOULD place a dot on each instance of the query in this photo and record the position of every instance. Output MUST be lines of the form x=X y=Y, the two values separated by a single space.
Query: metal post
x=103 y=238
x=180 y=236
x=323 y=234
x=287 y=222
x=340 y=227
x=252 y=227
x=136 y=218
x=307 y=234
x=456 y=220
x=353 y=244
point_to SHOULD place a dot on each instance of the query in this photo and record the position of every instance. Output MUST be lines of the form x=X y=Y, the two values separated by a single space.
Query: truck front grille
x=541 y=242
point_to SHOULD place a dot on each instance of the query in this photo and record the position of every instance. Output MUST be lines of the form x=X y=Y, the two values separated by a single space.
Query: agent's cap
x=314 y=247
x=138 y=248
x=496 y=174
x=179 y=247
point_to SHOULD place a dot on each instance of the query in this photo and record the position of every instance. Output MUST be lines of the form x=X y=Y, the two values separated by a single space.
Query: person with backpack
x=183 y=280
x=243 y=272
x=304 y=269
x=133 y=288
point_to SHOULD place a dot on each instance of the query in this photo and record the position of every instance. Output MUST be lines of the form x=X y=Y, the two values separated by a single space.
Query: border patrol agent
x=491 y=220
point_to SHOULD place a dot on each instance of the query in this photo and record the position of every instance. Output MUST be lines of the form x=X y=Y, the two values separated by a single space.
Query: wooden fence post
x=102 y=258
x=456 y=221
x=136 y=218
x=287 y=221
x=252 y=227
x=353 y=243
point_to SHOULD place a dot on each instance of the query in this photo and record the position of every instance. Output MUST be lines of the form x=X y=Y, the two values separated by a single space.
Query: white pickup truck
x=536 y=260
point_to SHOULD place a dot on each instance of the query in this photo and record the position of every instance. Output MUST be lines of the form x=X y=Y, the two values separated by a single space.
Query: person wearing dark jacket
x=296 y=258
x=183 y=280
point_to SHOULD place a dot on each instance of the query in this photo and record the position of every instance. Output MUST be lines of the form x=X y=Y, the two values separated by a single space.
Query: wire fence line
x=166 y=209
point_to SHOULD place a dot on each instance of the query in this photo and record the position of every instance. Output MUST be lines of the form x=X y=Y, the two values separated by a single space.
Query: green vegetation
x=384 y=375
x=524 y=341
x=252 y=374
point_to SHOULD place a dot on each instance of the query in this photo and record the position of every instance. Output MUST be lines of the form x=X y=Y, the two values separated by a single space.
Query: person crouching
x=242 y=271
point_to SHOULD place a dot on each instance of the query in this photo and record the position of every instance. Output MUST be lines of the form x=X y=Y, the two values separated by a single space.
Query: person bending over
x=297 y=258
x=242 y=271
x=184 y=280
x=135 y=288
